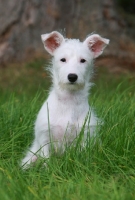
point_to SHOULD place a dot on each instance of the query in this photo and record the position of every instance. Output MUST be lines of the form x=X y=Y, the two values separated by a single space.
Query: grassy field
x=101 y=171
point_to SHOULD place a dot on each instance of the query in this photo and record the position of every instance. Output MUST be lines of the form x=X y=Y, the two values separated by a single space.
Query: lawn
x=101 y=171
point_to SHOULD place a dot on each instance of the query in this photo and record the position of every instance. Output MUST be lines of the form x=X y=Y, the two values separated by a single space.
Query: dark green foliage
x=127 y=5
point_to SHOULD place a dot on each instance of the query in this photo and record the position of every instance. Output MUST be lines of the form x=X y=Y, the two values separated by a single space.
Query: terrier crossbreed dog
x=66 y=109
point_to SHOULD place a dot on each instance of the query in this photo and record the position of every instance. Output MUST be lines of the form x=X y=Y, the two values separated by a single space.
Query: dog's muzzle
x=72 y=78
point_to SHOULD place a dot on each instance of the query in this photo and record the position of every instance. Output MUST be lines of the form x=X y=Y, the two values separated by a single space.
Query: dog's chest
x=67 y=112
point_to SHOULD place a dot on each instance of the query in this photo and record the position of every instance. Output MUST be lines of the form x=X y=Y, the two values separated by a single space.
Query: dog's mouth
x=74 y=83
x=72 y=86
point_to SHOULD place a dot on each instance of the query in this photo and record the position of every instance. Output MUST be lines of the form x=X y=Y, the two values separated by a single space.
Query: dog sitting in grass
x=66 y=110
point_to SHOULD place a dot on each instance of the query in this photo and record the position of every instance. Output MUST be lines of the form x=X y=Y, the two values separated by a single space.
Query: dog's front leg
x=31 y=155
x=37 y=149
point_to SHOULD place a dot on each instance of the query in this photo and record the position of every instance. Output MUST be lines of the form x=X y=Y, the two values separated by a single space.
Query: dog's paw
x=27 y=161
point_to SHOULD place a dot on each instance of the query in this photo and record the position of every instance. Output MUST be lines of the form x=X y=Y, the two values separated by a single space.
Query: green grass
x=100 y=171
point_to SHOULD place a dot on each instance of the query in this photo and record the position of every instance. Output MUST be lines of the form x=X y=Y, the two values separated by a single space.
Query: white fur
x=65 y=111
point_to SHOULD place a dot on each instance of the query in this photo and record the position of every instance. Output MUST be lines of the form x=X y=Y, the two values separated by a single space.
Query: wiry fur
x=66 y=108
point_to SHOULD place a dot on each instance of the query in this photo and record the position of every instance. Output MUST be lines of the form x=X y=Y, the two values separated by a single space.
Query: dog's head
x=72 y=59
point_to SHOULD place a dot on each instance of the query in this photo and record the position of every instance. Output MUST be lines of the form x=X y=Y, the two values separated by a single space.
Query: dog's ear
x=96 y=44
x=52 y=41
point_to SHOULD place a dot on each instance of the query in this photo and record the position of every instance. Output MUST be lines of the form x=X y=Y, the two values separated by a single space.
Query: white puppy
x=66 y=109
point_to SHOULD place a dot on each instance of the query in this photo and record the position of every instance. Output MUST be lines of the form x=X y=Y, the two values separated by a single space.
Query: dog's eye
x=63 y=59
x=82 y=60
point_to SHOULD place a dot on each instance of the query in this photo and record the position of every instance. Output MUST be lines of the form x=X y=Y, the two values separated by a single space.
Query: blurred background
x=22 y=22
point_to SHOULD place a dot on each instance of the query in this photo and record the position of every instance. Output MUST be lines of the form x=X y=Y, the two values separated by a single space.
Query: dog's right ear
x=52 y=41
x=96 y=44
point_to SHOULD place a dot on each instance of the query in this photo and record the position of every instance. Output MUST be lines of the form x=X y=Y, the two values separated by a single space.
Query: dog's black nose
x=72 y=77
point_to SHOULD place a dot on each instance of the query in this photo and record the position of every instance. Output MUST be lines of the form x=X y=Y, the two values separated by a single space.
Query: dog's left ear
x=96 y=44
x=52 y=41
